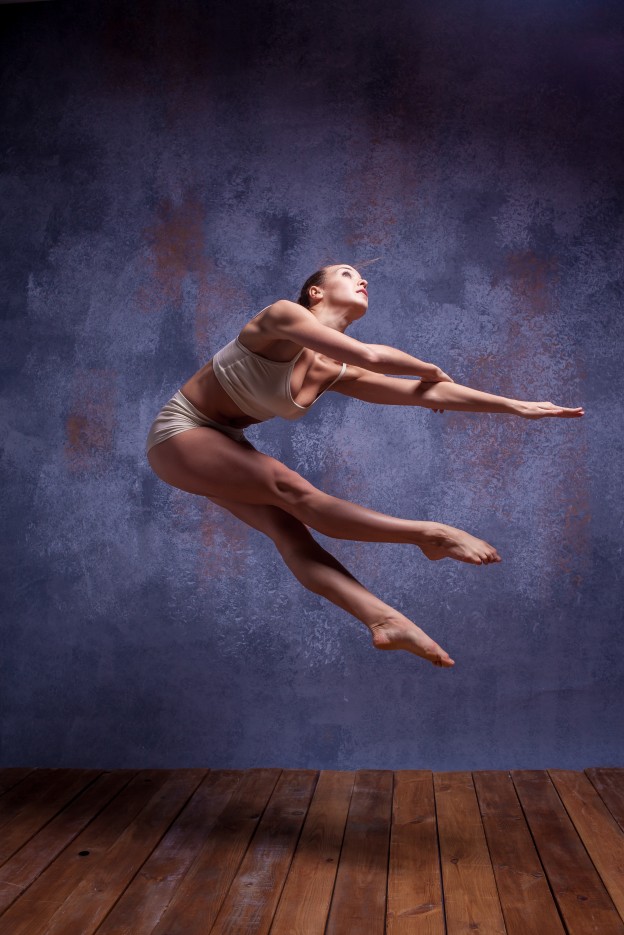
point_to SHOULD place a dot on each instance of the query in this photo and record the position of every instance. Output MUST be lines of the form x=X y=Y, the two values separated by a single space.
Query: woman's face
x=343 y=284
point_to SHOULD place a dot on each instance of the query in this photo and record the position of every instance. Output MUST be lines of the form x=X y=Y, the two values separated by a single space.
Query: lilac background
x=168 y=169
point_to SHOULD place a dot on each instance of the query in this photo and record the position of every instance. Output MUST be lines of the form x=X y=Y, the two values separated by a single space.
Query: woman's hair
x=316 y=279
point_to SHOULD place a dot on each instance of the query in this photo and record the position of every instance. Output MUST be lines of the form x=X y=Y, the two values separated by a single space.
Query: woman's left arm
x=392 y=391
x=463 y=398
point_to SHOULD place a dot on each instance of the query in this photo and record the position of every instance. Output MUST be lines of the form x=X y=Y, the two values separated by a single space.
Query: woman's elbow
x=372 y=359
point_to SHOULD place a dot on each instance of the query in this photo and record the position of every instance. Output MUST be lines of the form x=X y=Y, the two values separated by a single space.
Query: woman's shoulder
x=257 y=336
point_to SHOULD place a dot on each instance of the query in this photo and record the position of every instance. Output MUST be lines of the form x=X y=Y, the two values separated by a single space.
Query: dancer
x=280 y=364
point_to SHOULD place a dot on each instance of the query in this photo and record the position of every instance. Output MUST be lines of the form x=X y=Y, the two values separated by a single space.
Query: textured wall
x=170 y=168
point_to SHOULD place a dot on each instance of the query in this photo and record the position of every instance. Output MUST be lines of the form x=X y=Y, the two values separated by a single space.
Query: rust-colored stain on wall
x=495 y=448
x=376 y=182
x=217 y=541
x=224 y=543
x=176 y=239
x=90 y=423
x=220 y=308
x=530 y=277
x=342 y=476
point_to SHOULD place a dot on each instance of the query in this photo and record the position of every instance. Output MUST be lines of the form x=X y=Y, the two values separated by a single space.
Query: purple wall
x=168 y=169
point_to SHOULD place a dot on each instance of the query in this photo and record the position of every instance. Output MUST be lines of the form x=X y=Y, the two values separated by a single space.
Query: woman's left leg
x=320 y=572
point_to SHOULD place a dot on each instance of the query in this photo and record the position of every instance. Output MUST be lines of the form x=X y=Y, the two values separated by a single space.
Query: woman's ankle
x=428 y=532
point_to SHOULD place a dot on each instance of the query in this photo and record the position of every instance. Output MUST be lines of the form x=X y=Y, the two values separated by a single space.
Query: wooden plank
x=32 y=814
x=470 y=894
x=414 y=881
x=58 y=788
x=32 y=910
x=306 y=897
x=599 y=831
x=359 y=900
x=201 y=893
x=11 y=775
x=525 y=897
x=103 y=883
x=38 y=853
x=582 y=899
x=143 y=903
x=609 y=782
x=253 y=896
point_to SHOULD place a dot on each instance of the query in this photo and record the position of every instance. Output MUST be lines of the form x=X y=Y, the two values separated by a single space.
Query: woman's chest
x=311 y=374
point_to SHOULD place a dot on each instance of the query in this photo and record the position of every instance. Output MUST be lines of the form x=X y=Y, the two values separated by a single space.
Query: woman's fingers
x=543 y=409
x=550 y=409
x=565 y=410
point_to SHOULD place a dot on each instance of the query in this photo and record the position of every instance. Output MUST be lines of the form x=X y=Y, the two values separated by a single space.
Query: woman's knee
x=291 y=488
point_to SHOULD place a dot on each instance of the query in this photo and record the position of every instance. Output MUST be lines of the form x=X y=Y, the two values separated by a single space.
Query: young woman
x=282 y=361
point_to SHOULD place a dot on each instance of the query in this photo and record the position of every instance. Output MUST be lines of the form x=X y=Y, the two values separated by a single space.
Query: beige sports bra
x=260 y=387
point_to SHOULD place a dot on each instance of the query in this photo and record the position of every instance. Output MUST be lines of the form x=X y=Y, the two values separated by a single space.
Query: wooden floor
x=300 y=852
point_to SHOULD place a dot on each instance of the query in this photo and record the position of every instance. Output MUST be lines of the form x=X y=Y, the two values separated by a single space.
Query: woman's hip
x=179 y=415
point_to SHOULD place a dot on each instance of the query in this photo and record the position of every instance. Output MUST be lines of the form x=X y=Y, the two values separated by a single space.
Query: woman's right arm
x=290 y=321
x=391 y=360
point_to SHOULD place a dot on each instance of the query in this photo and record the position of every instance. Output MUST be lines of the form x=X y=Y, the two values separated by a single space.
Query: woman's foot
x=401 y=633
x=449 y=542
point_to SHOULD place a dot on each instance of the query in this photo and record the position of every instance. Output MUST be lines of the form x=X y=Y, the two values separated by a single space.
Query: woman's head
x=341 y=282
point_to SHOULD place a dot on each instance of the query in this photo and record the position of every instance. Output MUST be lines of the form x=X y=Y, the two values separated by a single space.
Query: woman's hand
x=529 y=410
x=436 y=375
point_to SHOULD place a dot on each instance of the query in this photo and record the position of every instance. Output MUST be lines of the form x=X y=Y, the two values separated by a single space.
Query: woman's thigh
x=207 y=462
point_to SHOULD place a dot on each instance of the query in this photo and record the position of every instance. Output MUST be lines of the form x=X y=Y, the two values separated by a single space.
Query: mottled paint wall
x=168 y=169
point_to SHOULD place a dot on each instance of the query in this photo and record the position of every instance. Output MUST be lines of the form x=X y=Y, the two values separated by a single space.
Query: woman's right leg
x=209 y=463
